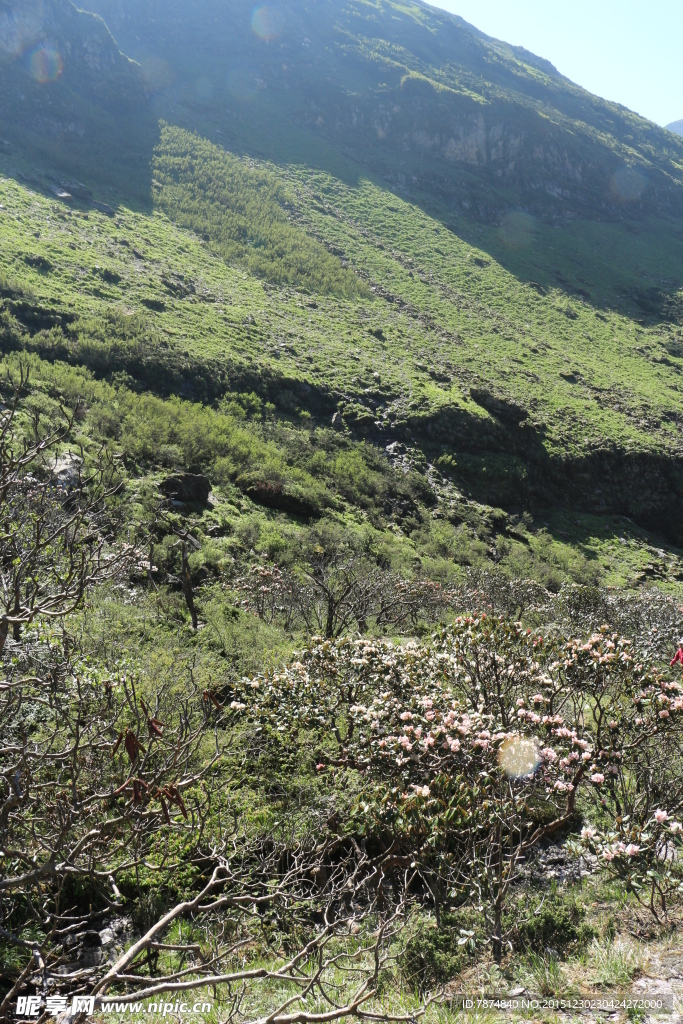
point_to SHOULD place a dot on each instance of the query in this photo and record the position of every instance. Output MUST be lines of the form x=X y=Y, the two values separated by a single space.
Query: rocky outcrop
x=273 y=495
x=186 y=487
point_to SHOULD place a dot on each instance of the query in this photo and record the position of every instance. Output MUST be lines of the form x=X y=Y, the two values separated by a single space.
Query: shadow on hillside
x=62 y=137
x=503 y=462
x=631 y=268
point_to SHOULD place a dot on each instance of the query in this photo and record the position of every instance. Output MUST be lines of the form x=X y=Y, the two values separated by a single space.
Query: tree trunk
x=187 y=587
x=497 y=937
x=329 y=625
x=16 y=627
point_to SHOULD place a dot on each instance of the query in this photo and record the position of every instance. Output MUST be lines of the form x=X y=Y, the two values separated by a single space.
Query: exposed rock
x=66 y=471
x=186 y=487
x=90 y=957
x=274 y=496
x=103 y=208
x=337 y=421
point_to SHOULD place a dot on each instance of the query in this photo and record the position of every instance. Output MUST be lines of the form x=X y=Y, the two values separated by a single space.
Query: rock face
x=186 y=487
x=66 y=471
x=274 y=496
x=76 y=37
x=62 y=76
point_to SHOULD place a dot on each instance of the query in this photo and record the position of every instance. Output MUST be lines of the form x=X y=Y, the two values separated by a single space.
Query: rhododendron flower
x=663 y=714
x=561 y=787
x=678 y=657
x=588 y=832
x=454 y=746
x=405 y=716
x=428 y=742
x=661 y=816
x=549 y=754
x=538 y=698
x=676 y=826
x=405 y=743
x=520 y=702
x=632 y=850
x=586 y=756
x=422 y=791
x=237 y=706
x=430 y=716
x=607 y=855
x=597 y=778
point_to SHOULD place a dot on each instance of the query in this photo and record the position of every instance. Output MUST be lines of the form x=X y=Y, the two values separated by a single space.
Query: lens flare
x=628 y=184
x=518 y=757
x=46 y=64
x=518 y=229
x=267 y=22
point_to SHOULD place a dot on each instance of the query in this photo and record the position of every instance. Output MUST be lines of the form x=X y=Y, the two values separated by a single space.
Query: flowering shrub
x=636 y=714
x=473 y=748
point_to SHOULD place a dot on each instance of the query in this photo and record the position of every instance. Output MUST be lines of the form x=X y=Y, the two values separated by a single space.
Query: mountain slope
x=390 y=82
x=440 y=238
x=71 y=100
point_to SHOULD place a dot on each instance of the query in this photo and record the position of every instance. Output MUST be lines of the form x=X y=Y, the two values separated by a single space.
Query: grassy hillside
x=341 y=322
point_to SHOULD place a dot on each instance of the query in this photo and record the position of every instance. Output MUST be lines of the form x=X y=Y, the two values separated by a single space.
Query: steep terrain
x=427 y=231
x=341 y=556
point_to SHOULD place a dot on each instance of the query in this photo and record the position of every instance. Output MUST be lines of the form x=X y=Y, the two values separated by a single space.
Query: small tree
x=54 y=541
x=636 y=714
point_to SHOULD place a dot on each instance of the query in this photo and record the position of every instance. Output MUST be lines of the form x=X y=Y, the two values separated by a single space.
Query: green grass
x=506 y=358
x=220 y=334
x=453 y=325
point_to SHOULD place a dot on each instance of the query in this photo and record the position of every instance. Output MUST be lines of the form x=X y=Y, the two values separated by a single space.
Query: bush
x=436 y=954
x=558 y=928
x=240 y=211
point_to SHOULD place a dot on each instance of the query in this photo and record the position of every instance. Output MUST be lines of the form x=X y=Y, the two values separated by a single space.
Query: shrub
x=241 y=211
x=436 y=953
x=473 y=749
x=559 y=927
